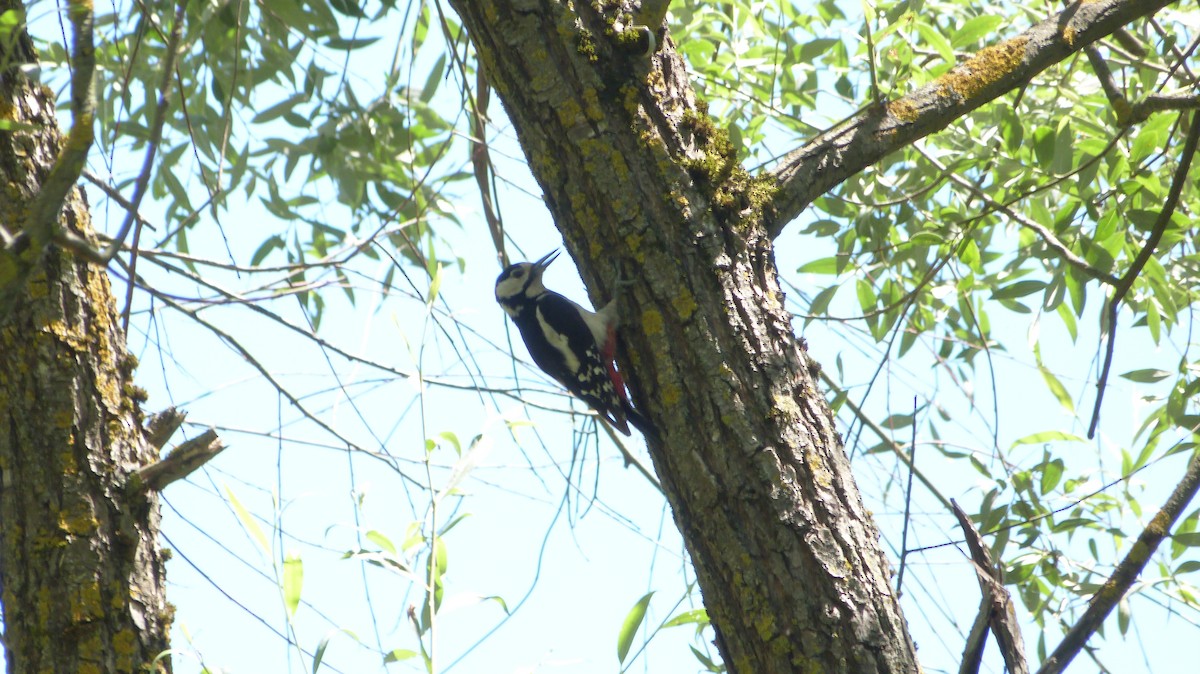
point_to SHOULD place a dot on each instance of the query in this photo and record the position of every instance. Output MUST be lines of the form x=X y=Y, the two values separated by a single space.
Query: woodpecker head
x=522 y=282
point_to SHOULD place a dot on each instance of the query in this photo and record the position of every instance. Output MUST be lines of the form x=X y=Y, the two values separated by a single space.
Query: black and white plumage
x=575 y=346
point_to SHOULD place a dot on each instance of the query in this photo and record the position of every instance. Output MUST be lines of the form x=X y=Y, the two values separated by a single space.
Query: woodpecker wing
x=571 y=355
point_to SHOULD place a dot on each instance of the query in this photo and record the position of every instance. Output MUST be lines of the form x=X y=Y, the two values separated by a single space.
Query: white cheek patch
x=509 y=287
x=560 y=343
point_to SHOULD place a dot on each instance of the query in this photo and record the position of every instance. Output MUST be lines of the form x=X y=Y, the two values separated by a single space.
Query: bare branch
x=143 y=179
x=1127 y=571
x=1159 y=103
x=161 y=426
x=179 y=463
x=972 y=657
x=862 y=140
x=997 y=602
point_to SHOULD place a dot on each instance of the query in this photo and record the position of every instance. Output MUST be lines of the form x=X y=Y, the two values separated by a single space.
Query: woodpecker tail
x=642 y=424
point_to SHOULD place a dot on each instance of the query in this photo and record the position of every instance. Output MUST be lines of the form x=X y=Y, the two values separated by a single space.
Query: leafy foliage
x=318 y=151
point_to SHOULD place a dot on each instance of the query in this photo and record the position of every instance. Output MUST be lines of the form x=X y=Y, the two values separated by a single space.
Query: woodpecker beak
x=545 y=261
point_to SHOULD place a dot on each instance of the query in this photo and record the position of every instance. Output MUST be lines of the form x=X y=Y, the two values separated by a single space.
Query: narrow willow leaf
x=630 y=627
x=248 y=521
x=293 y=581
x=1047 y=436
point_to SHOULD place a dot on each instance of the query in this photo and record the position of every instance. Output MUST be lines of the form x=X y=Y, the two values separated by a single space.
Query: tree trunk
x=635 y=173
x=82 y=577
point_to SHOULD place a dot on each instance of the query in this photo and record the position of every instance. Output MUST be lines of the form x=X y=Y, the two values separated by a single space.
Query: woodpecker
x=575 y=346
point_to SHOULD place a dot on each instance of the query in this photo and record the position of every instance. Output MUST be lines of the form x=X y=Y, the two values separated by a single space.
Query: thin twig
x=482 y=163
x=883 y=436
x=1156 y=234
x=1041 y=230
x=143 y=179
x=115 y=194
x=912 y=461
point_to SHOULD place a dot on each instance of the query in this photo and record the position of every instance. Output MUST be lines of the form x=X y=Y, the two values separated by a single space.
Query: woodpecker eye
x=518 y=273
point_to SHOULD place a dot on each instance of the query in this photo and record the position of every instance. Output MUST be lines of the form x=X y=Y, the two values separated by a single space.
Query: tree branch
x=23 y=248
x=1126 y=572
x=1160 y=102
x=43 y=212
x=180 y=462
x=997 y=603
x=862 y=140
x=1116 y=98
x=1135 y=268
x=161 y=426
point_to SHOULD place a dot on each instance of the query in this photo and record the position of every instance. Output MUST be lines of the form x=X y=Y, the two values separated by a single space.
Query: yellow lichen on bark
x=903 y=110
x=986 y=67
x=685 y=304
x=1069 y=35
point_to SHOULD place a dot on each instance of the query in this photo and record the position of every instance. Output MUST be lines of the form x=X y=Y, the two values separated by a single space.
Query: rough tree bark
x=82 y=576
x=787 y=557
x=633 y=171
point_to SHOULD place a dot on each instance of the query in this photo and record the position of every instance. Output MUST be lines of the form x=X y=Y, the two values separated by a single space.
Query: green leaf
x=435 y=284
x=347 y=44
x=694 y=617
x=248 y=521
x=382 y=541
x=975 y=30
x=1059 y=391
x=809 y=51
x=398 y=655
x=866 y=294
x=629 y=628
x=1051 y=474
x=705 y=660
x=935 y=39
x=820 y=303
x=434 y=79
x=279 y=109
x=1018 y=289
x=293 y=581
x=272 y=243
x=1190 y=539
x=825 y=265
x=1047 y=436
x=1146 y=376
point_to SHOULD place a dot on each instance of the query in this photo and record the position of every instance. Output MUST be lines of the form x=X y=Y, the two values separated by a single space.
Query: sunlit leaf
x=248 y=521
x=629 y=628
x=293 y=581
